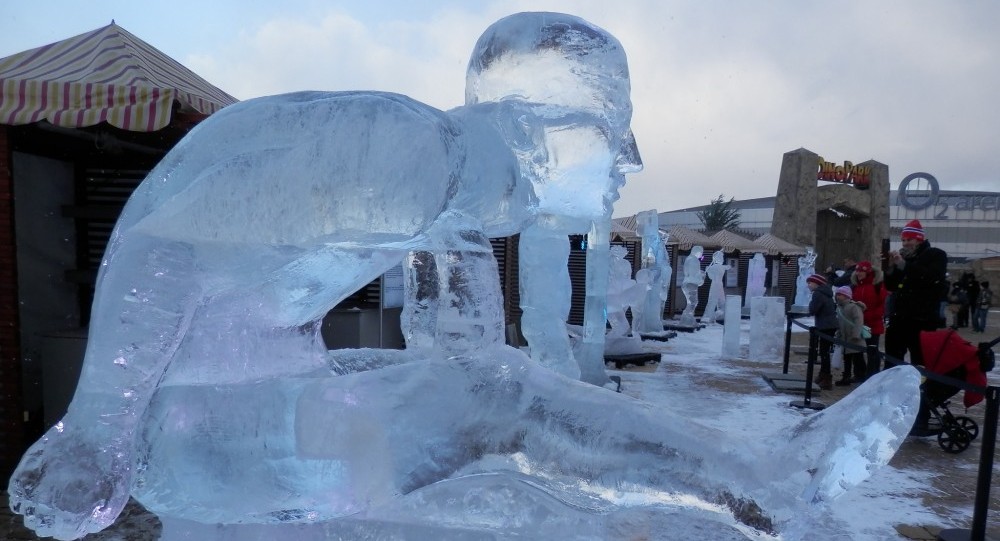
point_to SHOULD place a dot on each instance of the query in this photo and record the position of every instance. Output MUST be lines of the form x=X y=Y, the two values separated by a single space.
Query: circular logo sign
x=922 y=194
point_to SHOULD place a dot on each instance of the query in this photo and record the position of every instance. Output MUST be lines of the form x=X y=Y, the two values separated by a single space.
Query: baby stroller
x=948 y=354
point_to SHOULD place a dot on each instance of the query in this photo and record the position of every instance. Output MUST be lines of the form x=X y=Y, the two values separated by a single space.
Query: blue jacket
x=823 y=308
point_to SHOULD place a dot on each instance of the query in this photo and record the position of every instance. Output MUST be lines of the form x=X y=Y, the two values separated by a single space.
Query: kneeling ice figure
x=270 y=212
x=205 y=323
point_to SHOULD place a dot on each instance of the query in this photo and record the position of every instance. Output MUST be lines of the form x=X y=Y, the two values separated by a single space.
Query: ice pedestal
x=767 y=325
x=731 y=330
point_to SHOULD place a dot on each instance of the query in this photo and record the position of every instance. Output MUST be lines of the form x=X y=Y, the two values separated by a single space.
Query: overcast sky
x=721 y=88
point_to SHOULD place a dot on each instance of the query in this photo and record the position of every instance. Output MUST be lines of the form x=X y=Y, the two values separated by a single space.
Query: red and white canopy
x=107 y=75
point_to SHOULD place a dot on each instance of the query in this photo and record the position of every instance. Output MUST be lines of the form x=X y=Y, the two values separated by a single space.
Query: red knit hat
x=864 y=266
x=817 y=279
x=913 y=230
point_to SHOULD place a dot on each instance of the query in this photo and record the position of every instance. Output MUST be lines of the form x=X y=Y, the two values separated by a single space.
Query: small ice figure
x=656 y=269
x=807 y=267
x=756 y=277
x=716 y=305
x=624 y=292
x=694 y=277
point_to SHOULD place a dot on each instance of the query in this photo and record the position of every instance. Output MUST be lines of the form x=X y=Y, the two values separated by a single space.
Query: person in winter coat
x=868 y=289
x=916 y=279
x=983 y=302
x=851 y=319
x=824 y=312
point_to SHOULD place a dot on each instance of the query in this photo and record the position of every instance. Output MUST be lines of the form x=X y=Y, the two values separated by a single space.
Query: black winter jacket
x=823 y=308
x=918 y=288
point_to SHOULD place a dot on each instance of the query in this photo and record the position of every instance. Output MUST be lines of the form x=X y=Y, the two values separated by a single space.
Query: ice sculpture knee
x=573 y=78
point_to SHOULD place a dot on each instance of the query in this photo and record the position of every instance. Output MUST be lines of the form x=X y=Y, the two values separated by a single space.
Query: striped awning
x=687 y=238
x=107 y=75
x=775 y=245
x=730 y=242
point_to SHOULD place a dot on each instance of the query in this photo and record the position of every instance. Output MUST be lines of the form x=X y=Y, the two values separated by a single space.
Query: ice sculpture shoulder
x=272 y=211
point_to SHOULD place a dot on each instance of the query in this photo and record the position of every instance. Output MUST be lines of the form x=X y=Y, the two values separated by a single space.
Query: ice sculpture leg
x=349 y=445
x=421 y=285
x=453 y=303
x=589 y=352
x=545 y=298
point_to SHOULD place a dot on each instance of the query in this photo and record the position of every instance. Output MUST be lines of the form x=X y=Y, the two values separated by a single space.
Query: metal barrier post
x=981 y=508
x=807 y=401
x=788 y=341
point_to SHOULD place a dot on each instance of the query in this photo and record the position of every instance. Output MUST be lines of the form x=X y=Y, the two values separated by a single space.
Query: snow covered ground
x=921 y=487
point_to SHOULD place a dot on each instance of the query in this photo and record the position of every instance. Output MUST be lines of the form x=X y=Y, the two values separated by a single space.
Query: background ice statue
x=694 y=277
x=807 y=267
x=656 y=269
x=270 y=212
x=716 y=272
x=623 y=292
x=756 y=276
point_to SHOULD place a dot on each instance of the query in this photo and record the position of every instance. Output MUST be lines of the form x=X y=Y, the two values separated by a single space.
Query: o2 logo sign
x=919 y=191
x=919 y=197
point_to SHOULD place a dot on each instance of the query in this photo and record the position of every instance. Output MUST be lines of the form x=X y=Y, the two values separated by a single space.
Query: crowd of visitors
x=910 y=294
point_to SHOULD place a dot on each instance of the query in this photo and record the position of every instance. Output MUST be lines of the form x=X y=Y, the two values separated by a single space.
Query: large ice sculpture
x=756 y=277
x=208 y=394
x=807 y=267
x=716 y=272
x=655 y=269
x=273 y=210
x=694 y=277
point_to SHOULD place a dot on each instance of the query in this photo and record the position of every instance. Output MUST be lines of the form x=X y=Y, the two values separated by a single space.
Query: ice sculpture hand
x=68 y=485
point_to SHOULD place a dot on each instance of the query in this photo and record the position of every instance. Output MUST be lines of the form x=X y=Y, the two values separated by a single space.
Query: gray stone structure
x=840 y=220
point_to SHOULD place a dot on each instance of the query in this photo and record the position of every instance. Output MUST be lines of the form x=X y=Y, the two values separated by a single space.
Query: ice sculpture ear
x=524 y=133
x=520 y=129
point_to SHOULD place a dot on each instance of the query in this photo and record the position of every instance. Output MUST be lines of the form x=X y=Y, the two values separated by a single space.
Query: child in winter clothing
x=851 y=317
x=824 y=312
x=868 y=289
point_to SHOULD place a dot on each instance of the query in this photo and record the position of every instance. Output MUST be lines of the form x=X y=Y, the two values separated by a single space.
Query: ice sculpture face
x=574 y=78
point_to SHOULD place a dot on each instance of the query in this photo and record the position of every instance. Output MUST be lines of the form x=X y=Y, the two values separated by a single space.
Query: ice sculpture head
x=717 y=258
x=572 y=78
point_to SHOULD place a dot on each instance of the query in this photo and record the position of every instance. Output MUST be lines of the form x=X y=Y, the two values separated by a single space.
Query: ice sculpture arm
x=545 y=298
x=453 y=301
x=589 y=352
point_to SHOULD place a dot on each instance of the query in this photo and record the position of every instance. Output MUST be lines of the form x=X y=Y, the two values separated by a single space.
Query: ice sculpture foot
x=67 y=487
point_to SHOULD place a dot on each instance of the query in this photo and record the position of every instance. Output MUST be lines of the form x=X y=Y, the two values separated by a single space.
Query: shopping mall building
x=963 y=223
